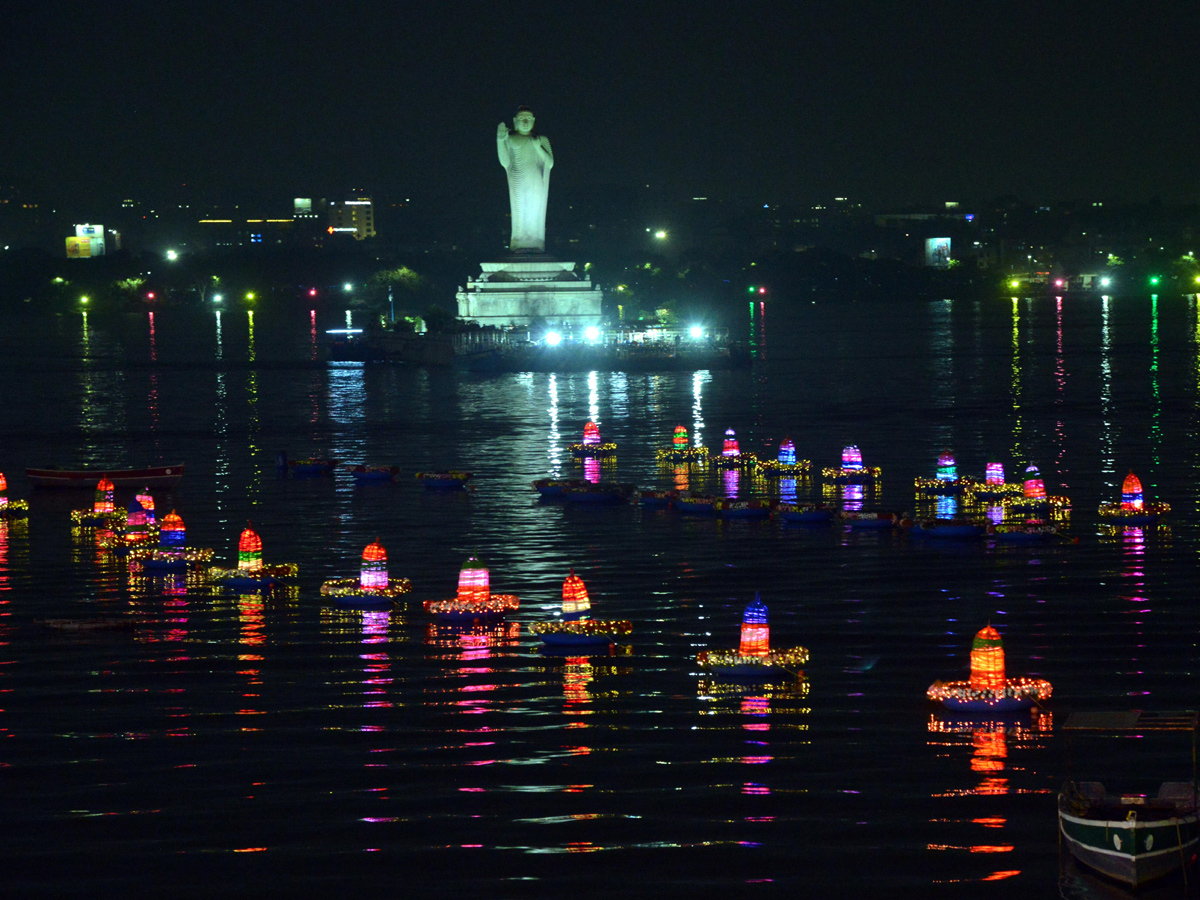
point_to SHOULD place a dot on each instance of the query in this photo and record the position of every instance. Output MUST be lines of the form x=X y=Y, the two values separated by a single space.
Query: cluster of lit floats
x=1003 y=510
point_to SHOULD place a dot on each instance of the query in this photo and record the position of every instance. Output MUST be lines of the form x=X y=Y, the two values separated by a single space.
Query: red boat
x=157 y=476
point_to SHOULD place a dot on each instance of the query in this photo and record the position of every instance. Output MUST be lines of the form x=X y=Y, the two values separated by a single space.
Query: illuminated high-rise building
x=356 y=216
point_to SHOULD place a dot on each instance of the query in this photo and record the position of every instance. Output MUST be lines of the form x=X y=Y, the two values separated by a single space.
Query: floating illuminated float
x=852 y=470
x=136 y=531
x=251 y=573
x=11 y=509
x=311 y=465
x=753 y=658
x=679 y=451
x=444 y=481
x=372 y=589
x=601 y=493
x=690 y=503
x=993 y=486
x=1133 y=508
x=786 y=465
x=364 y=473
x=947 y=481
x=1034 y=500
x=655 y=497
x=104 y=512
x=474 y=600
x=988 y=689
x=172 y=553
x=576 y=629
x=732 y=508
x=554 y=488
x=592 y=446
x=732 y=456
x=804 y=513
x=147 y=501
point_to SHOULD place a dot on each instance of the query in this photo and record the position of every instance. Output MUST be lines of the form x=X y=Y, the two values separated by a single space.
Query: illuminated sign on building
x=93 y=235
x=937 y=252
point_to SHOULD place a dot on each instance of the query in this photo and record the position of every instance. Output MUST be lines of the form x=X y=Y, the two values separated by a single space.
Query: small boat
x=311 y=465
x=804 y=513
x=363 y=473
x=443 y=481
x=602 y=492
x=648 y=497
x=1033 y=531
x=695 y=504
x=156 y=476
x=553 y=488
x=742 y=509
x=948 y=528
x=859 y=519
x=1131 y=837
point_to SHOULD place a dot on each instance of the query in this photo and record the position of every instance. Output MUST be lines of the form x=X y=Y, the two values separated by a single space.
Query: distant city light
x=217 y=298
x=1154 y=279
x=696 y=331
x=1058 y=282
x=1105 y=282
x=661 y=235
x=553 y=338
x=172 y=255
x=249 y=295
x=347 y=286
x=592 y=333
x=312 y=292
x=150 y=295
x=83 y=299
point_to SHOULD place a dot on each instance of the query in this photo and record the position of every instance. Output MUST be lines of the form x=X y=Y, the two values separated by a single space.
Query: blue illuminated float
x=372 y=589
x=753 y=659
x=988 y=689
x=555 y=488
x=172 y=553
x=592 y=447
x=947 y=481
x=251 y=573
x=104 y=512
x=732 y=456
x=852 y=470
x=450 y=480
x=1133 y=508
x=577 y=628
x=474 y=601
x=786 y=465
x=11 y=509
x=679 y=451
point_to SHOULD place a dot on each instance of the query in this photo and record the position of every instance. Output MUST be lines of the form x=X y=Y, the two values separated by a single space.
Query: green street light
x=1154 y=279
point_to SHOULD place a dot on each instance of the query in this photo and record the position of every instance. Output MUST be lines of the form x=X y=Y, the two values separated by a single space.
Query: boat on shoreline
x=155 y=476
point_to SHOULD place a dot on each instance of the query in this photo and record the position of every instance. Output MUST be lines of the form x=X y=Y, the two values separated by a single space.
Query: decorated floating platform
x=104 y=512
x=372 y=589
x=993 y=486
x=1031 y=531
x=576 y=628
x=1133 y=508
x=852 y=470
x=592 y=447
x=728 y=508
x=554 y=488
x=374 y=473
x=786 y=465
x=600 y=493
x=251 y=573
x=172 y=553
x=311 y=465
x=947 y=482
x=444 y=481
x=1033 y=500
x=732 y=456
x=474 y=600
x=804 y=513
x=679 y=451
x=956 y=528
x=988 y=689
x=753 y=659
x=652 y=497
x=138 y=529
x=865 y=519
x=695 y=504
x=11 y=509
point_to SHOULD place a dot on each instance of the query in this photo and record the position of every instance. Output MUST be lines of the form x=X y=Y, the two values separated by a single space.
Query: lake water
x=230 y=745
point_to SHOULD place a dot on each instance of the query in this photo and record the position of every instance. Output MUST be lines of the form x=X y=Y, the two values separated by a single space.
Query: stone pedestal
x=520 y=289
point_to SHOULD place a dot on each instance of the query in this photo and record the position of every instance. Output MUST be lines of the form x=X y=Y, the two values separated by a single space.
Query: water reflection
x=1015 y=383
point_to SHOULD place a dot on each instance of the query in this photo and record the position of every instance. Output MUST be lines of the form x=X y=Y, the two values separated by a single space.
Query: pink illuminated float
x=732 y=456
x=852 y=470
x=993 y=486
x=753 y=659
x=1034 y=501
x=251 y=573
x=680 y=451
x=592 y=446
x=137 y=531
x=474 y=600
x=172 y=553
x=577 y=628
x=372 y=589
x=1133 y=508
x=989 y=689
x=786 y=464
x=11 y=509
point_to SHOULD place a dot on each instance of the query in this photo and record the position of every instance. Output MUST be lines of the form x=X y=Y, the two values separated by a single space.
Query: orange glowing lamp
x=1131 y=493
x=374 y=574
x=147 y=502
x=987 y=661
x=104 y=497
x=1035 y=488
x=172 y=533
x=249 y=551
x=3 y=488
x=575 y=602
x=756 y=632
x=473 y=585
x=680 y=440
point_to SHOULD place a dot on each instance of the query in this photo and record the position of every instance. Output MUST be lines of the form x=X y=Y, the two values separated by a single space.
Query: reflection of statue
x=527 y=158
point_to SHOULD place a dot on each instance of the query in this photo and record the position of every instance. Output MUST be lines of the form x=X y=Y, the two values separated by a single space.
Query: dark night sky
x=885 y=102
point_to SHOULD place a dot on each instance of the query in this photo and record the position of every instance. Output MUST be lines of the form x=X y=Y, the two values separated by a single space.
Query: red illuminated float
x=852 y=470
x=251 y=573
x=474 y=601
x=989 y=689
x=577 y=629
x=11 y=509
x=1133 y=508
x=172 y=553
x=372 y=589
x=137 y=531
x=753 y=659
x=732 y=456
x=592 y=446
x=1034 y=501
x=104 y=511
x=786 y=464
x=680 y=451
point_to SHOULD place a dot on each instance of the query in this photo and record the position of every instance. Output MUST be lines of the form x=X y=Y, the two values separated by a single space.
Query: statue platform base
x=525 y=288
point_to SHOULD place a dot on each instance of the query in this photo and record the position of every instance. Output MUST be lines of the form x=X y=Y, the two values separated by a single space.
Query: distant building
x=355 y=217
x=90 y=241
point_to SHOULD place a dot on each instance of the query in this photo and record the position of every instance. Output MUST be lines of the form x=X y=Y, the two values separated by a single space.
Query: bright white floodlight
x=696 y=331
x=592 y=333
x=553 y=338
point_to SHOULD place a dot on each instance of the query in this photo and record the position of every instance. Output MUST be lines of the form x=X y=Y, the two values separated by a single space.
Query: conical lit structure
x=989 y=689
x=373 y=574
x=591 y=435
x=852 y=460
x=947 y=467
x=756 y=632
x=787 y=453
x=987 y=660
x=1134 y=509
x=576 y=629
x=3 y=488
x=995 y=473
x=474 y=599
x=1131 y=492
x=1035 y=488
x=680 y=440
x=136 y=525
x=172 y=532
x=250 y=556
x=147 y=503
x=372 y=589
x=730 y=447
x=251 y=572
x=104 y=497
x=473 y=582
x=679 y=451
x=11 y=509
x=575 y=602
